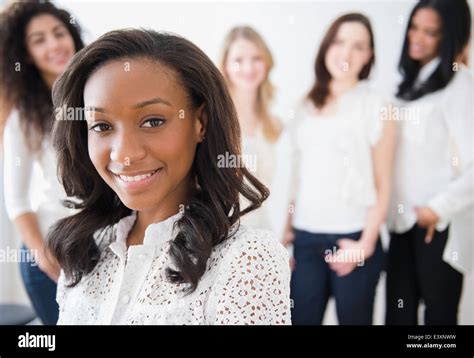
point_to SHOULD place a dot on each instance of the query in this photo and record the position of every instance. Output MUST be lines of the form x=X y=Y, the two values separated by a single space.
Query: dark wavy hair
x=456 y=29
x=25 y=89
x=320 y=91
x=214 y=208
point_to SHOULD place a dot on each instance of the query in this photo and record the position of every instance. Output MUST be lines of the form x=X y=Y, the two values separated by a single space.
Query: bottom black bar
x=452 y=341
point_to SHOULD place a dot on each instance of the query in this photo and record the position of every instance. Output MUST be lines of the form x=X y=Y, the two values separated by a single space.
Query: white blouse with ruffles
x=247 y=281
x=332 y=180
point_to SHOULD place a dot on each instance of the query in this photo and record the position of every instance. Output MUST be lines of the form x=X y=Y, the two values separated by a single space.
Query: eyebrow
x=151 y=101
x=136 y=106
x=40 y=33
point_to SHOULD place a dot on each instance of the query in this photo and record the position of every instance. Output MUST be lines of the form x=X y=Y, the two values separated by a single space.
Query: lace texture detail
x=247 y=281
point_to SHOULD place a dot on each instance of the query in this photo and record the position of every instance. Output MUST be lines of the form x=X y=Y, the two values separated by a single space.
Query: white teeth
x=136 y=177
x=60 y=57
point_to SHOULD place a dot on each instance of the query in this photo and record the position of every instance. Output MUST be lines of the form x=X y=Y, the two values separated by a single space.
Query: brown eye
x=101 y=127
x=38 y=41
x=153 y=122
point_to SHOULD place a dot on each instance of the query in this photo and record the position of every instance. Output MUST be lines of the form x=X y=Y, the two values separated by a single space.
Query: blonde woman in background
x=246 y=64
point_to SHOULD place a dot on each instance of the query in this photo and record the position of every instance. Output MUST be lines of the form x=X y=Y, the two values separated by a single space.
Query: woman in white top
x=37 y=41
x=431 y=215
x=158 y=240
x=342 y=150
x=246 y=64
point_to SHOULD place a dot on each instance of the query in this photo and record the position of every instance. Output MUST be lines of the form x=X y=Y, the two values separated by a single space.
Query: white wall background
x=293 y=31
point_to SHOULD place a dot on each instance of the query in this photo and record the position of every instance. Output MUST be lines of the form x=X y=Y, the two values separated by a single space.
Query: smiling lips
x=60 y=58
x=416 y=47
x=137 y=178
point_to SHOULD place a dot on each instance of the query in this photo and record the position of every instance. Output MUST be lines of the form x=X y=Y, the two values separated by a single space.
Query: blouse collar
x=155 y=234
x=162 y=231
x=427 y=70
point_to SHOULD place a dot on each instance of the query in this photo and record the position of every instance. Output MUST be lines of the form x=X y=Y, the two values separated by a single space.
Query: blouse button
x=126 y=299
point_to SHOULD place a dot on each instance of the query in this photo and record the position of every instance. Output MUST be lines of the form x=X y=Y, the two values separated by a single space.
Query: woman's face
x=142 y=133
x=424 y=35
x=49 y=44
x=245 y=66
x=349 y=52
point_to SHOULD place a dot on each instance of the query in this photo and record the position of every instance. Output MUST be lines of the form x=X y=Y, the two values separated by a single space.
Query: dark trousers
x=416 y=271
x=41 y=290
x=313 y=282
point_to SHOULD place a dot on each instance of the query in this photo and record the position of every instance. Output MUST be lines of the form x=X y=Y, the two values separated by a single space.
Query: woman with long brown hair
x=343 y=154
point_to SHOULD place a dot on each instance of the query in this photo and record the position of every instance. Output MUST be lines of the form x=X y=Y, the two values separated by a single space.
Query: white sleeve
x=458 y=112
x=284 y=186
x=253 y=287
x=379 y=108
x=18 y=165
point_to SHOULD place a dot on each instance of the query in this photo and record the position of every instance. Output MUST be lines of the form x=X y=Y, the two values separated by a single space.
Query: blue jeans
x=313 y=282
x=41 y=290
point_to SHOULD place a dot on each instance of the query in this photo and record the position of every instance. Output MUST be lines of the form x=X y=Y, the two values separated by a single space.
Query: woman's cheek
x=330 y=58
x=434 y=44
x=180 y=154
x=261 y=70
x=98 y=154
x=359 y=62
x=38 y=55
x=233 y=77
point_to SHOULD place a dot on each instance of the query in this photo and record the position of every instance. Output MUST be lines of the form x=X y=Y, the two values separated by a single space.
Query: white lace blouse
x=246 y=282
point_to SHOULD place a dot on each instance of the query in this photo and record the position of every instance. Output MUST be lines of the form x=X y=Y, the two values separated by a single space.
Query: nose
x=127 y=149
x=53 y=43
x=246 y=67
x=346 y=53
x=414 y=36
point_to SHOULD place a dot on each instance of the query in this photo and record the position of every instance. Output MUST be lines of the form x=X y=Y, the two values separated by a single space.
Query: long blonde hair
x=265 y=91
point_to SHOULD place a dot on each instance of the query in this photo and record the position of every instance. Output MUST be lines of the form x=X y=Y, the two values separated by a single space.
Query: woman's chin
x=139 y=203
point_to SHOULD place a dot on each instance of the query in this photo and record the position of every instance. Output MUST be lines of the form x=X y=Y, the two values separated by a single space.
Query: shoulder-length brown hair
x=266 y=90
x=209 y=213
x=320 y=91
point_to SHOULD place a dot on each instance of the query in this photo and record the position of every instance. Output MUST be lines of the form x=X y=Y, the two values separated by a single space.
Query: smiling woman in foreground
x=157 y=239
